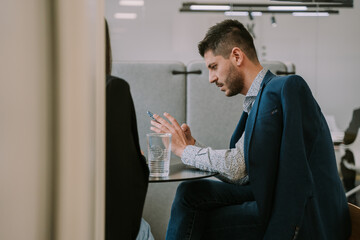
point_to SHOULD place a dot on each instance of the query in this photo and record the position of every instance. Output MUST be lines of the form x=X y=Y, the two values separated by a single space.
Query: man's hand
x=186 y=130
x=181 y=136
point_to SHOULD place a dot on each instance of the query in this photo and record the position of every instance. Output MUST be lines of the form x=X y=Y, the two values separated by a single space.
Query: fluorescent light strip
x=256 y=14
x=137 y=3
x=310 y=14
x=210 y=7
x=125 y=15
x=230 y=13
x=287 y=8
x=242 y=13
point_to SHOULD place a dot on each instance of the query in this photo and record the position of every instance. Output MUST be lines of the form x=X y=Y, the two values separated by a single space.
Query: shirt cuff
x=189 y=154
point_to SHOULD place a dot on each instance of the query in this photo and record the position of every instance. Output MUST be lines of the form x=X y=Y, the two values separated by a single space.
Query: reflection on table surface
x=181 y=172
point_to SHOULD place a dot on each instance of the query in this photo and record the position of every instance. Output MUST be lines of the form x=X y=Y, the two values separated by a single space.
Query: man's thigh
x=214 y=208
x=232 y=222
x=209 y=194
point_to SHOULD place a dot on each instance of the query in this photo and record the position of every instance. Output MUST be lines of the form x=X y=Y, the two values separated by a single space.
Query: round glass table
x=181 y=172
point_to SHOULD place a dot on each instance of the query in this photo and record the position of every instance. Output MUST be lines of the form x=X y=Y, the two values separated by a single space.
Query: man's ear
x=237 y=55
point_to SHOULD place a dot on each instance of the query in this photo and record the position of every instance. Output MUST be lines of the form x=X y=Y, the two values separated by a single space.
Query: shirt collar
x=254 y=90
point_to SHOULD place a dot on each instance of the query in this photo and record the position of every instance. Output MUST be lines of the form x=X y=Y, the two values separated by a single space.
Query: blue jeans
x=144 y=231
x=208 y=209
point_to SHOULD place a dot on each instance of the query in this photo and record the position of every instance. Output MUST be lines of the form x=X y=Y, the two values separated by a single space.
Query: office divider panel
x=154 y=87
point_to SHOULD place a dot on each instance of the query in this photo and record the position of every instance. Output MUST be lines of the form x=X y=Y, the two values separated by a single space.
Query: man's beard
x=234 y=82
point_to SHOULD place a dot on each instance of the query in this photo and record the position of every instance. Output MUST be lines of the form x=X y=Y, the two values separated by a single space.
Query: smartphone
x=151 y=116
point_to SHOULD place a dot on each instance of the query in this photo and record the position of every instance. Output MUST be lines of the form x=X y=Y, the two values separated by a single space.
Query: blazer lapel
x=252 y=118
x=238 y=130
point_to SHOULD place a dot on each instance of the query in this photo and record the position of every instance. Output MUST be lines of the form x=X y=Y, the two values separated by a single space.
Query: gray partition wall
x=155 y=88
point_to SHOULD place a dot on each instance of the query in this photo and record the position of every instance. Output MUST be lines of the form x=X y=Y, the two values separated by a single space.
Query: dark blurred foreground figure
x=126 y=170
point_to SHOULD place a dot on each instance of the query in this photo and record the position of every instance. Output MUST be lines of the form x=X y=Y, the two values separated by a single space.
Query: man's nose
x=212 y=78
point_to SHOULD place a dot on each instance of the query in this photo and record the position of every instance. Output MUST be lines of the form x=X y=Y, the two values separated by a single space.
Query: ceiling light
x=287 y=8
x=137 y=3
x=256 y=14
x=125 y=15
x=259 y=9
x=210 y=7
x=310 y=14
x=231 y=13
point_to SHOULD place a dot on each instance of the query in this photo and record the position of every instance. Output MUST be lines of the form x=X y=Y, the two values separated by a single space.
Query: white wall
x=325 y=50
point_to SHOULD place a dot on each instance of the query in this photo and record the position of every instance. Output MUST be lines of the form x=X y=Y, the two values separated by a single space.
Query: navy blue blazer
x=291 y=164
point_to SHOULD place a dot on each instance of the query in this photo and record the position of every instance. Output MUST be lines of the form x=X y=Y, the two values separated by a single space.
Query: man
x=280 y=179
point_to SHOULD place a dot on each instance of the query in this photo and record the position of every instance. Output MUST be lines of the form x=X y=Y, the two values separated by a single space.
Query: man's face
x=224 y=73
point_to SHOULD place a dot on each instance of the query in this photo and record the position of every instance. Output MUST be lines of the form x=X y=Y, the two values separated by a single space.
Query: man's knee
x=189 y=193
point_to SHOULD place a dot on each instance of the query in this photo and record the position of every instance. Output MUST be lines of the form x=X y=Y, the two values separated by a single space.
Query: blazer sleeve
x=126 y=169
x=293 y=185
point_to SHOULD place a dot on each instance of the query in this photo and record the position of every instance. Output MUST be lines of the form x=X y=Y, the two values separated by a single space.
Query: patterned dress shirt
x=229 y=163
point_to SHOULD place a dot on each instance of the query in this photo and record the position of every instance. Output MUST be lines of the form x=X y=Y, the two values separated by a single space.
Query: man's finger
x=154 y=129
x=162 y=121
x=184 y=127
x=172 y=120
x=156 y=124
x=162 y=124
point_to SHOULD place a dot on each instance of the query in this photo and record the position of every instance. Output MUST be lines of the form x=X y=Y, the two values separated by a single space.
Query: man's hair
x=224 y=36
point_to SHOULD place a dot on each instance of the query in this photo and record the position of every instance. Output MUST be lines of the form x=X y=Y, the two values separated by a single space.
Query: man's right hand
x=186 y=130
x=181 y=136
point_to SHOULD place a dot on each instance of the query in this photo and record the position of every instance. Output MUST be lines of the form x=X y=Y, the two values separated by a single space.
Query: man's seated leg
x=193 y=198
x=233 y=222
